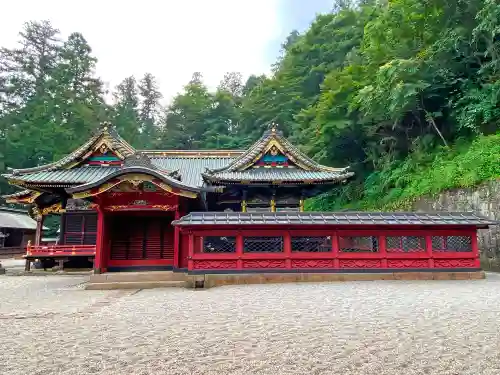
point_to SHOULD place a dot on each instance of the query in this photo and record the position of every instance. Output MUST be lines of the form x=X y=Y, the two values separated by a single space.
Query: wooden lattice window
x=80 y=229
x=452 y=243
x=263 y=244
x=219 y=244
x=316 y=244
x=405 y=244
x=358 y=244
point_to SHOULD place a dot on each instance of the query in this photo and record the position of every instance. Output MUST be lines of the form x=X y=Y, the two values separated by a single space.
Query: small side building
x=16 y=229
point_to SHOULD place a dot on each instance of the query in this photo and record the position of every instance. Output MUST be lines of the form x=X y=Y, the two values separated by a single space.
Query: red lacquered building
x=216 y=211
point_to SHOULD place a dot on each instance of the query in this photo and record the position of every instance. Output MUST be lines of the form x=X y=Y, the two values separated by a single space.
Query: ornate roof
x=23 y=196
x=140 y=170
x=106 y=136
x=281 y=175
x=274 y=159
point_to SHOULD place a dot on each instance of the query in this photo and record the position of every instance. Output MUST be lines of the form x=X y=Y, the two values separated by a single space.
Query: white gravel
x=50 y=325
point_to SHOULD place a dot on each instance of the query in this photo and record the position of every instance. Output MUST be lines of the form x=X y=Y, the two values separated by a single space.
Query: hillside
x=400 y=184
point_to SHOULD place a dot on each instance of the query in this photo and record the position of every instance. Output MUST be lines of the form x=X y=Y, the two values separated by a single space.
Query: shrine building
x=216 y=211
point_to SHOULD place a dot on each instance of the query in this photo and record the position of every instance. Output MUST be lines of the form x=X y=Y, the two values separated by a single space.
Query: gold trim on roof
x=106 y=134
x=29 y=197
x=134 y=179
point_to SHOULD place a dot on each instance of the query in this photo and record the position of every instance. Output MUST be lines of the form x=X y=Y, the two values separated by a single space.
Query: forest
x=405 y=92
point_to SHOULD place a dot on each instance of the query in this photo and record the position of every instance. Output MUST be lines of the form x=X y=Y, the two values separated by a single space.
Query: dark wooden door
x=141 y=238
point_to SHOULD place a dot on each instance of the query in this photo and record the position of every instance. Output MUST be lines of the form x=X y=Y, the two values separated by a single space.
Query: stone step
x=136 y=285
x=138 y=276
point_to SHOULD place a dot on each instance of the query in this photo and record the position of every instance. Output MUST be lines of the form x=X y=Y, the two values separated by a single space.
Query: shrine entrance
x=140 y=240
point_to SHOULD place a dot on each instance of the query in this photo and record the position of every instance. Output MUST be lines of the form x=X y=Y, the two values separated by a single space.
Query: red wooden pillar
x=99 y=249
x=335 y=250
x=383 y=251
x=239 y=250
x=190 y=251
x=177 y=242
x=38 y=239
x=287 y=248
x=39 y=227
x=475 y=250
x=428 y=246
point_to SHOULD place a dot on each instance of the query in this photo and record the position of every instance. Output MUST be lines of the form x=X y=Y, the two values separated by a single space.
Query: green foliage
x=399 y=184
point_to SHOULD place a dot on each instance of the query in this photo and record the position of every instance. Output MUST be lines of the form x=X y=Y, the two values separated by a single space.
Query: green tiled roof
x=277 y=174
x=242 y=161
x=194 y=168
x=191 y=168
x=106 y=132
x=74 y=176
x=191 y=171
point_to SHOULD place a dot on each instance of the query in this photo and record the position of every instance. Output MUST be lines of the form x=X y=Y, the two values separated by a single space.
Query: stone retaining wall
x=484 y=200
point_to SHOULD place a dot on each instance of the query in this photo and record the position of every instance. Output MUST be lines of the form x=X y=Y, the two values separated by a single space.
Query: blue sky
x=295 y=14
x=171 y=38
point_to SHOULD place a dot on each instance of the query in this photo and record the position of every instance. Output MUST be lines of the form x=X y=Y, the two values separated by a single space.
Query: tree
x=78 y=94
x=232 y=83
x=126 y=111
x=149 y=110
x=26 y=71
x=185 y=120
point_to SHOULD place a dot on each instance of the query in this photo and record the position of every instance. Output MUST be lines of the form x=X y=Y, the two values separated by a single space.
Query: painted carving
x=54 y=209
x=360 y=263
x=79 y=205
x=214 y=264
x=149 y=186
x=264 y=264
x=313 y=263
x=274 y=151
x=274 y=158
x=125 y=207
x=407 y=263
x=454 y=263
x=26 y=199
x=126 y=187
x=117 y=207
x=35 y=213
x=164 y=207
x=136 y=183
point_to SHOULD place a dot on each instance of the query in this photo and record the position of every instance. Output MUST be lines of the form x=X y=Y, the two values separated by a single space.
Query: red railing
x=346 y=250
x=40 y=251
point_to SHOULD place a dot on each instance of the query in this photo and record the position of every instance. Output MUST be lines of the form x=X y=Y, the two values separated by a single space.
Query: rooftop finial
x=273 y=127
x=105 y=126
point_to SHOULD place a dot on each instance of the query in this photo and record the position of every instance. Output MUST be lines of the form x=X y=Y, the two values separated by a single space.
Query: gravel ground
x=50 y=325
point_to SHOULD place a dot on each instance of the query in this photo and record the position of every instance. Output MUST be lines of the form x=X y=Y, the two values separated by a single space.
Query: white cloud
x=169 y=38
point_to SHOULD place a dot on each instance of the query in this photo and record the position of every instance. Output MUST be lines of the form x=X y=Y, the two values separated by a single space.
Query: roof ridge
x=243 y=161
x=105 y=129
